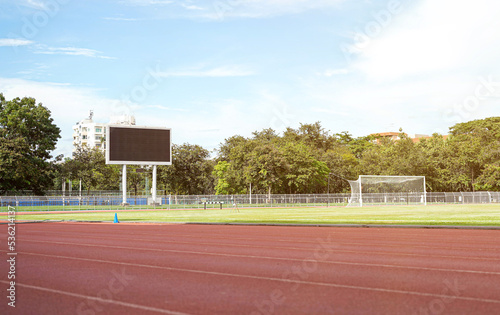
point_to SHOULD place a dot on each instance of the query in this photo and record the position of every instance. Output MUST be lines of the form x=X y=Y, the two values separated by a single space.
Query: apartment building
x=89 y=133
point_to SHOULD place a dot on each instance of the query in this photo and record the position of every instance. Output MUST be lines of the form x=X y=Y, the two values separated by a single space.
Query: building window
x=98 y=129
x=84 y=137
x=98 y=138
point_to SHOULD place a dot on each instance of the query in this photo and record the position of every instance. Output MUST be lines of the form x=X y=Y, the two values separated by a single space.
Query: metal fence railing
x=64 y=193
x=114 y=201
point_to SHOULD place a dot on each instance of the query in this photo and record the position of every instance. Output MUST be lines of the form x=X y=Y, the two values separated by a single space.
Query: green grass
x=142 y=207
x=469 y=215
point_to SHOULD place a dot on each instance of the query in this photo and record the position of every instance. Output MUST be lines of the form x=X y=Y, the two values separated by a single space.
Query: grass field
x=161 y=207
x=467 y=215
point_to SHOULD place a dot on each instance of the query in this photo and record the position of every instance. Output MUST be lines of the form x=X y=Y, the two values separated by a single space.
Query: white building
x=91 y=134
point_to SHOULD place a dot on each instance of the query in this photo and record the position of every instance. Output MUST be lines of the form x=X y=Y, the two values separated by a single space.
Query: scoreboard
x=136 y=145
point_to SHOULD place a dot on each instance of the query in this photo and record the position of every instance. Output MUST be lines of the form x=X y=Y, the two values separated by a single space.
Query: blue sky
x=213 y=69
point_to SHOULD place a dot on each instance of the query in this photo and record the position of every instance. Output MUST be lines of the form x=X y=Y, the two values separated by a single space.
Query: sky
x=218 y=68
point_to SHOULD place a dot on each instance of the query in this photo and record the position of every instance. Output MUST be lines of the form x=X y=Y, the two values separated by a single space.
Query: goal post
x=387 y=190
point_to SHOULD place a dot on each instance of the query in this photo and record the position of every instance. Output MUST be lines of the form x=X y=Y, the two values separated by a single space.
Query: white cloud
x=72 y=51
x=147 y=2
x=166 y=108
x=208 y=125
x=267 y=8
x=15 y=42
x=333 y=72
x=213 y=120
x=36 y=4
x=419 y=105
x=121 y=19
x=421 y=71
x=220 y=9
x=189 y=6
x=223 y=71
x=433 y=37
x=68 y=104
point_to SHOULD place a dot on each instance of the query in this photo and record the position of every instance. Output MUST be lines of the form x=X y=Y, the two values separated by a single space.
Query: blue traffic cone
x=116 y=218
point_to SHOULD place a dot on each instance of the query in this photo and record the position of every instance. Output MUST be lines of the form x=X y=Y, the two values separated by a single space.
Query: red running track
x=80 y=268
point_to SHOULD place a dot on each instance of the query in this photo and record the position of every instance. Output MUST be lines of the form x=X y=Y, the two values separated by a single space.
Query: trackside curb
x=457 y=227
x=388 y=226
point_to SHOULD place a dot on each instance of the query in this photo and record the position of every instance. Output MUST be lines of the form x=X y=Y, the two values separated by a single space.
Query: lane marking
x=281 y=258
x=405 y=245
x=286 y=248
x=332 y=285
x=223 y=236
x=94 y=298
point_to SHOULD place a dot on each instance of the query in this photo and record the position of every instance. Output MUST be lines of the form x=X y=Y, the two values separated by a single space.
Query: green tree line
x=28 y=135
x=308 y=159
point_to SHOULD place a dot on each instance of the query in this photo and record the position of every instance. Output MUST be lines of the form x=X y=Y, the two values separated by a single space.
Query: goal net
x=387 y=190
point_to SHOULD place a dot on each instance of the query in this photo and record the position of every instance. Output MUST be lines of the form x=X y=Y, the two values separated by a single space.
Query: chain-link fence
x=114 y=201
x=74 y=193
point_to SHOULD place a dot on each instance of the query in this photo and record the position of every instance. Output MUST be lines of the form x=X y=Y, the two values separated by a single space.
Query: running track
x=82 y=268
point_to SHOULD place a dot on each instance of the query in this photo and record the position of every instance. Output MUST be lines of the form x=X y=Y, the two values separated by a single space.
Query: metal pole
x=425 y=193
x=153 y=192
x=360 y=192
x=328 y=192
x=124 y=184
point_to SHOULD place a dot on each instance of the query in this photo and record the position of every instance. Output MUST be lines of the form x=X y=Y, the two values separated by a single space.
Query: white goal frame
x=388 y=190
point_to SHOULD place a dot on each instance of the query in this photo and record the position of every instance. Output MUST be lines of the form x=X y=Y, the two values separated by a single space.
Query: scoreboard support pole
x=138 y=145
x=124 y=185
x=153 y=189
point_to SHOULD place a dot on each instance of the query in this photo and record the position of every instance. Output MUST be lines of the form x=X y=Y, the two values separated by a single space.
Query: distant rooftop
x=395 y=136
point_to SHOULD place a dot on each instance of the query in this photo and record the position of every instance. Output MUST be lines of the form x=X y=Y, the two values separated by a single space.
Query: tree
x=135 y=177
x=436 y=155
x=474 y=148
x=272 y=163
x=312 y=135
x=267 y=168
x=190 y=172
x=357 y=145
x=343 y=165
x=225 y=180
x=84 y=164
x=89 y=166
x=232 y=162
x=490 y=178
x=28 y=136
x=306 y=173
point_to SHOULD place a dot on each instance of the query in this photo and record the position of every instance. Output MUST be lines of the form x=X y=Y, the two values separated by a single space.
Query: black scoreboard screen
x=138 y=145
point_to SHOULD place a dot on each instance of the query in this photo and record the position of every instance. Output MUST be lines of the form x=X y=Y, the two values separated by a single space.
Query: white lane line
x=293 y=248
x=406 y=245
x=97 y=299
x=333 y=285
x=301 y=260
